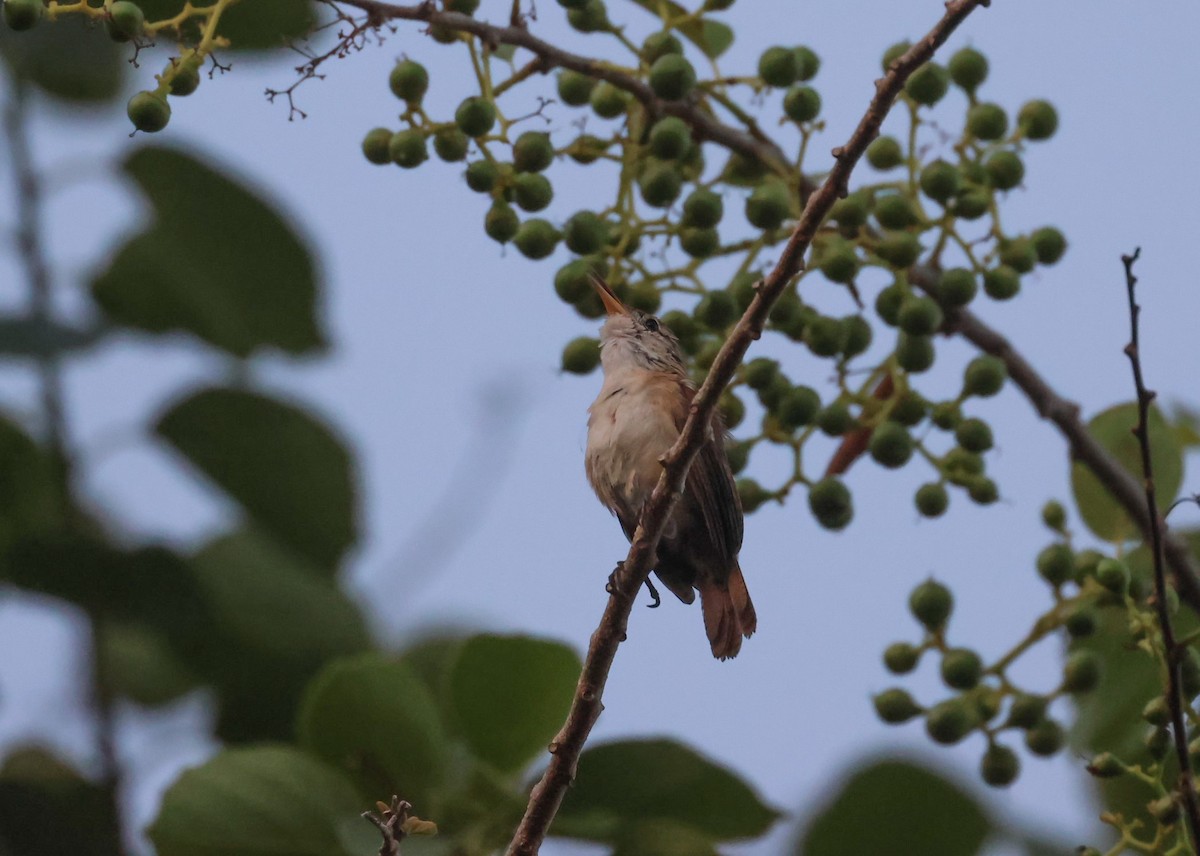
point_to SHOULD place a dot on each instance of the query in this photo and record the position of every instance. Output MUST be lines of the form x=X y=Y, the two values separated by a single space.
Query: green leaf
x=631 y=781
x=1114 y=430
x=276 y=622
x=25 y=337
x=375 y=716
x=30 y=504
x=897 y=807
x=511 y=694
x=47 y=808
x=255 y=25
x=140 y=665
x=662 y=838
x=1186 y=421
x=217 y=262
x=67 y=59
x=267 y=800
x=289 y=471
x=712 y=37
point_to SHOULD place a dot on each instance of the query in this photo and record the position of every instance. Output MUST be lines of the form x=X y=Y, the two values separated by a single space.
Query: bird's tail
x=728 y=613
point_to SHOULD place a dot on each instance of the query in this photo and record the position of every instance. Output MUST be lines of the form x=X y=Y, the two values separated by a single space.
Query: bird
x=643 y=403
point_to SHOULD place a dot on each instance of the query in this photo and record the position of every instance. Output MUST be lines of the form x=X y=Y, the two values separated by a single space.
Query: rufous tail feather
x=728 y=614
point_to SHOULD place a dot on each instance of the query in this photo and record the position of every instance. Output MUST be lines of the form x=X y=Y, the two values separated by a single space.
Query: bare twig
x=548 y=793
x=1174 y=651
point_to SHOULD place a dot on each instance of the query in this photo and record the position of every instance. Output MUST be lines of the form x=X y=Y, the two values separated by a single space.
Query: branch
x=548 y=793
x=1174 y=651
x=1084 y=447
x=705 y=126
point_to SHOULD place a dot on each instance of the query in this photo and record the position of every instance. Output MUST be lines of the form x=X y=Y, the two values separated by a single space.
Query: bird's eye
x=651 y=324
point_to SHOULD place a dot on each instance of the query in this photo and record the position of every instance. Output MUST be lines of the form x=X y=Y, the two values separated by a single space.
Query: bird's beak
x=611 y=303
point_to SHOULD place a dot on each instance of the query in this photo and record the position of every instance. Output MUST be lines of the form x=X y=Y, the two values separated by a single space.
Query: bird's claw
x=653 y=594
x=611 y=586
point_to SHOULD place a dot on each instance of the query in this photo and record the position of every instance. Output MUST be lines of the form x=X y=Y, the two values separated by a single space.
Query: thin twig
x=1174 y=651
x=548 y=793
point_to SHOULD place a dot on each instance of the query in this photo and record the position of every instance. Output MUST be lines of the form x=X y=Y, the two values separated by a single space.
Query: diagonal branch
x=548 y=793
x=1174 y=651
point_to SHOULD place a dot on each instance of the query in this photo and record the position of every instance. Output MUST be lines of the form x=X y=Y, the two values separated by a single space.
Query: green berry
x=778 y=67
x=987 y=121
x=983 y=491
x=658 y=45
x=919 y=316
x=931 y=604
x=501 y=223
x=807 y=63
x=536 y=238
x=532 y=191
x=928 y=84
x=1049 y=244
x=575 y=88
x=856 y=335
x=895 y=706
x=672 y=77
x=885 y=153
x=960 y=462
x=475 y=116
x=945 y=415
x=481 y=176
x=773 y=393
x=887 y=303
x=1114 y=575
x=974 y=435
x=1038 y=120
x=852 y=211
x=125 y=21
x=1082 y=672
x=590 y=17
x=900 y=658
x=831 y=503
x=581 y=356
x=738 y=455
x=1157 y=711
x=835 y=419
x=968 y=68
x=899 y=249
x=894 y=211
x=972 y=204
x=949 y=721
x=751 y=494
x=670 y=138
x=699 y=243
x=769 y=205
x=1045 y=738
x=760 y=372
x=22 y=15
x=957 y=287
x=1165 y=810
x=716 y=310
x=147 y=111
x=409 y=81
x=450 y=144
x=375 y=146
x=1056 y=564
x=1105 y=766
x=961 y=669
x=186 y=79
x=1000 y=766
x=407 y=148
x=797 y=407
x=1018 y=254
x=984 y=376
x=1001 y=283
x=585 y=233
x=915 y=354
x=731 y=408
x=894 y=53
x=932 y=500
x=571 y=282
x=891 y=445
x=644 y=296
x=940 y=181
x=1054 y=515
x=532 y=152
x=1026 y=710
x=660 y=184
x=702 y=209
x=802 y=103
x=840 y=264
x=1004 y=169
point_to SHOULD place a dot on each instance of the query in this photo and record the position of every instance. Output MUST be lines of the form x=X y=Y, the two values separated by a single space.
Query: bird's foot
x=653 y=595
x=613 y=582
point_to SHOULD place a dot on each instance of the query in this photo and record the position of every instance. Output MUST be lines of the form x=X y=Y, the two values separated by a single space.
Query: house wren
x=637 y=417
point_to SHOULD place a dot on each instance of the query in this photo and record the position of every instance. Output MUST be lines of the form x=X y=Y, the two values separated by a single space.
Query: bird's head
x=632 y=339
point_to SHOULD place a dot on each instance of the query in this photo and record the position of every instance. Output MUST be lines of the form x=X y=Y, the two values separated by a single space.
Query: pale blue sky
x=431 y=321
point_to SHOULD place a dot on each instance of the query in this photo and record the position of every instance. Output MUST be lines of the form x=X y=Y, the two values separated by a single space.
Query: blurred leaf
x=1114 y=430
x=433 y=660
x=1186 y=422
x=276 y=622
x=49 y=809
x=375 y=716
x=660 y=781
x=1035 y=845
x=262 y=800
x=217 y=262
x=511 y=695
x=29 y=500
x=712 y=37
x=68 y=59
x=662 y=838
x=288 y=470
x=140 y=665
x=897 y=807
x=22 y=336
x=257 y=25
